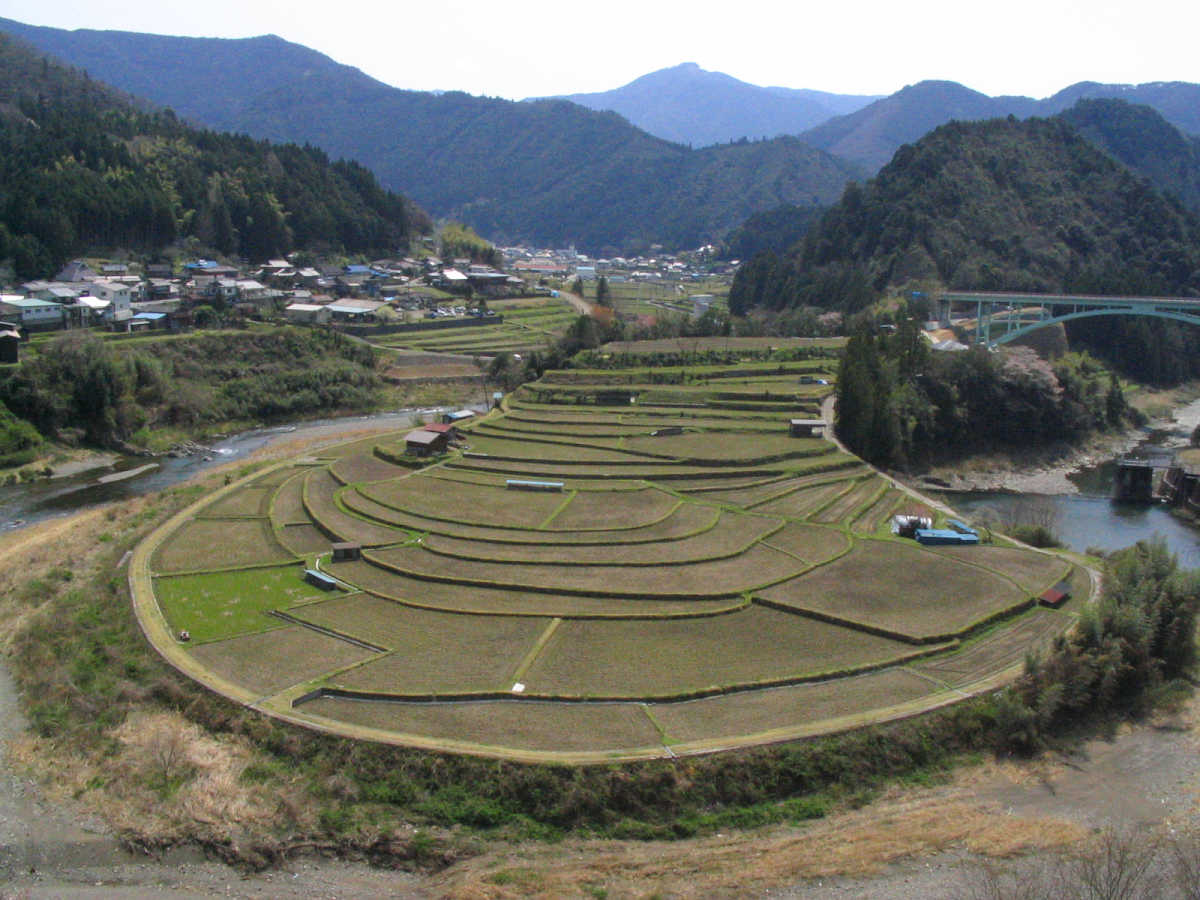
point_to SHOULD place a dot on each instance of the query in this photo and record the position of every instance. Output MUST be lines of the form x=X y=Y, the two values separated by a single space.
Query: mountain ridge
x=691 y=105
x=547 y=172
x=871 y=135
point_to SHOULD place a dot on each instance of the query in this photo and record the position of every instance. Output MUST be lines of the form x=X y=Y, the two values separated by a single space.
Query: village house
x=119 y=295
x=351 y=310
x=30 y=313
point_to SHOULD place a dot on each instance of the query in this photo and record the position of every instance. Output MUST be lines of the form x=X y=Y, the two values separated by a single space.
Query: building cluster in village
x=695 y=265
x=163 y=296
x=125 y=297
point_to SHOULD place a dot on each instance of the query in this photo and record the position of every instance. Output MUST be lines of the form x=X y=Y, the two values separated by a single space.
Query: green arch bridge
x=1001 y=318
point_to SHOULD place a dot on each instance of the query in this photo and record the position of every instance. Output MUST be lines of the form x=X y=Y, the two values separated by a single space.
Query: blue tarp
x=944 y=536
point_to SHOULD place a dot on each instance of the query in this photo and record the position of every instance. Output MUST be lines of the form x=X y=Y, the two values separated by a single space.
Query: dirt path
x=583 y=307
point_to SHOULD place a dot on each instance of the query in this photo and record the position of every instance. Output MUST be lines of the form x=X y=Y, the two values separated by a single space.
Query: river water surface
x=1091 y=518
x=24 y=504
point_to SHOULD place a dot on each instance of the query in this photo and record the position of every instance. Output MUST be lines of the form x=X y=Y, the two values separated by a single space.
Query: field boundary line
x=535 y=651
x=571 y=495
x=328 y=632
x=937 y=682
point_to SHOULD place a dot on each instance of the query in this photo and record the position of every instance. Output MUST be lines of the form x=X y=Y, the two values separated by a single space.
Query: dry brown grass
x=515 y=724
x=270 y=661
x=365 y=467
x=1032 y=571
x=205 y=794
x=758 y=565
x=802 y=502
x=756 y=712
x=252 y=500
x=514 y=601
x=899 y=587
x=732 y=534
x=995 y=652
x=604 y=510
x=33 y=553
x=849 y=504
x=205 y=544
x=902 y=825
x=469 y=503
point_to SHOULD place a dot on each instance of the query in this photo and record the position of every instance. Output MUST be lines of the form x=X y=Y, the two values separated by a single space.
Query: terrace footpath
x=828 y=409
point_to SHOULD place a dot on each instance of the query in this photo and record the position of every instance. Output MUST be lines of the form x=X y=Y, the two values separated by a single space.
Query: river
x=24 y=504
x=1090 y=518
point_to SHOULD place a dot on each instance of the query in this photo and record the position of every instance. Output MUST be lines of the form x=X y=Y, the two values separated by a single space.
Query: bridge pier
x=1134 y=482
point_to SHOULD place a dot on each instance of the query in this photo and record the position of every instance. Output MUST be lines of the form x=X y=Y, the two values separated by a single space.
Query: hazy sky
x=534 y=47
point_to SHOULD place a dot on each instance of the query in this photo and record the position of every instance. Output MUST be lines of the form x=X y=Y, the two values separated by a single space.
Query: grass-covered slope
x=111 y=392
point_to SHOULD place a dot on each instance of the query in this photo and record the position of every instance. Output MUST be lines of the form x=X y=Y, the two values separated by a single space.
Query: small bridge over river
x=1001 y=318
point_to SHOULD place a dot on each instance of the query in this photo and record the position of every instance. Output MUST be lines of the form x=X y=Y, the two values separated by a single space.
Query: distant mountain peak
x=688 y=104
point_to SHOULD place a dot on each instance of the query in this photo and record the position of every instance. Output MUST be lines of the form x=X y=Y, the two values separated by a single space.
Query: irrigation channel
x=1091 y=518
x=133 y=476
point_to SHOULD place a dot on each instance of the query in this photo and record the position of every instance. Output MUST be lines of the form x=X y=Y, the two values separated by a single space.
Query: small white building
x=119 y=295
x=307 y=313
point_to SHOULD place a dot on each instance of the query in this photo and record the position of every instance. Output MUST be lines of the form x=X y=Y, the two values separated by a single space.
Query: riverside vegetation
x=80 y=387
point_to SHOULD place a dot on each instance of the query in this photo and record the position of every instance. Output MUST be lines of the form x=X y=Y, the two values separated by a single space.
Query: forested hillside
x=83 y=168
x=82 y=388
x=1143 y=140
x=997 y=205
x=548 y=172
x=899 y=404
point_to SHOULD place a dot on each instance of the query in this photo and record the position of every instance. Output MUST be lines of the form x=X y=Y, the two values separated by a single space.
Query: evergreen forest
x=84 y=168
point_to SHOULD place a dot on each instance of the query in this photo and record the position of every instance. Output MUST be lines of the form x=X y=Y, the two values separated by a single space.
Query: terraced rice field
x=717 y=584
x=520 y=327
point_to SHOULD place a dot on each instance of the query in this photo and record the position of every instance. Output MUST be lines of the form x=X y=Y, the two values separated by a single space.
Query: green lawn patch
x=219 y=605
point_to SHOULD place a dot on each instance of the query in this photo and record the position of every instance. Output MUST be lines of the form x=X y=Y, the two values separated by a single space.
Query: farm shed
x=452 y=433
x=1056 y=596
x=307 y=312
x=423 y=442
x=521 y=484
x=944 y=536
x=10 y=343
x=454 y=418
x=807 y=427
x=906 y=525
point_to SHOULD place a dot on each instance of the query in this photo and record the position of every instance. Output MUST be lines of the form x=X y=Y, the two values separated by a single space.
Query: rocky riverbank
x=1049 y=470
